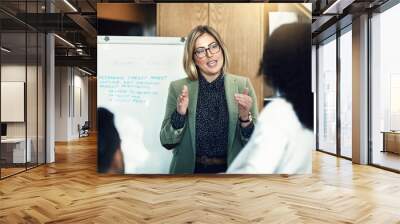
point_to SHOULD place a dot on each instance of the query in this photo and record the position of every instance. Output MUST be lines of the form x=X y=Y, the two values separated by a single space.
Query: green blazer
x=182 y=141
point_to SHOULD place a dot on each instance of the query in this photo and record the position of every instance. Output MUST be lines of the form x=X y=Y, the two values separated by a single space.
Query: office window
x=395 y=101
x=22 y=93
x=327 y=96
x=346 y=93
x=385 y=88
x=14 y=153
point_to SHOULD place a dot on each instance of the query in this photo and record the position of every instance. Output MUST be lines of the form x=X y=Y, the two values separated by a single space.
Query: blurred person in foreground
x=110 y=158
x=283 y=139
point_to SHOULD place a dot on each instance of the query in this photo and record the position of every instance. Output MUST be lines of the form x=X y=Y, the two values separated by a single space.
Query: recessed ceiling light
x=84 y=71
x=70 y=5
x=5 y=50
x=337 y=7
x=64 y=40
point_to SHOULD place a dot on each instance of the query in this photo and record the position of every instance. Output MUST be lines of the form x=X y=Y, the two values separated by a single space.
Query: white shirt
x=278 y=145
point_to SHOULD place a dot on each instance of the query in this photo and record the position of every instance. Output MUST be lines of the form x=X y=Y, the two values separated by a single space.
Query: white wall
x=70 y=83
x=79 y=117
x=33 y=126
x=17 y=73
x=61 y=103
x=13 y=72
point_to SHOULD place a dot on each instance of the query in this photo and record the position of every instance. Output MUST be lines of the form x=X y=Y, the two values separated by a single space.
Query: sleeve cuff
x=247 y=131
x=177 y=120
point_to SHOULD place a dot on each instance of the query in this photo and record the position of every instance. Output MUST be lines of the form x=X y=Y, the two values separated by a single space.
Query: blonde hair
x=188 y=60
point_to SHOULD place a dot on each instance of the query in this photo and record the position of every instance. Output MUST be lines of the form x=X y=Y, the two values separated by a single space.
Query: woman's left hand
x=244 y=102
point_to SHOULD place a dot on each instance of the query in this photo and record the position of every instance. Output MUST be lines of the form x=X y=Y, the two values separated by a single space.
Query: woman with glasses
x=210 y=115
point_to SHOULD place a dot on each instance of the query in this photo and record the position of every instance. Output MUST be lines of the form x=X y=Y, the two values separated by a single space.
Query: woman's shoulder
x=180 y=82
x=240 y=78
x=241 y=81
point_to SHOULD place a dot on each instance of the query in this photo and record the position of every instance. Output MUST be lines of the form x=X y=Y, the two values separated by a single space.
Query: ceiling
x=76 y=22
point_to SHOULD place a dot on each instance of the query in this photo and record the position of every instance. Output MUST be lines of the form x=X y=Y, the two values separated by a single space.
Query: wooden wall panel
x=127 y=12
x=241 y=27
x=177 y=19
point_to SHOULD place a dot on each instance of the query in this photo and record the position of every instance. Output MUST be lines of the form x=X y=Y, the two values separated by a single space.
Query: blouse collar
x=217 y=83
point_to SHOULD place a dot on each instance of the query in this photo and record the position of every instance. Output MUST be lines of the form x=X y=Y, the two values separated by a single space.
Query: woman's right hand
x=183 y=101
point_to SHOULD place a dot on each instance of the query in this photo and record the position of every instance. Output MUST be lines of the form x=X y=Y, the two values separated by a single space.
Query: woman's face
x=210 y=63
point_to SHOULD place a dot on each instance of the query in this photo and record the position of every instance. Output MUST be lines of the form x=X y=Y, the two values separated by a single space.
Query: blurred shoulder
x=239 y=80
x=178 y=84
x=279 y=113
x=234 y=77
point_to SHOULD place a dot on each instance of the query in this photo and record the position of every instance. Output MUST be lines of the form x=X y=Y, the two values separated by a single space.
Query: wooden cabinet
x=240 y=25
x=391 y=142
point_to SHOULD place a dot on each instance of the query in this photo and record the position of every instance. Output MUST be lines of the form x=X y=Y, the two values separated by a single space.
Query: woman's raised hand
x=244 y=103
x=183 y=101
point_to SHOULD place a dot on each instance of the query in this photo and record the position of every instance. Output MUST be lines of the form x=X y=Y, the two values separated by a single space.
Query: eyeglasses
x=202 y=51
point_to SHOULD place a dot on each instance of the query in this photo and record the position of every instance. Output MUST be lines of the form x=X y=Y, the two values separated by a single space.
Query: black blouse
x=212 y=124
x=212 y=119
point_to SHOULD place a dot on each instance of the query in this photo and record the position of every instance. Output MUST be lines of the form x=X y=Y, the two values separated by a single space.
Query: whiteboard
x=12 y=101
x=134 y=74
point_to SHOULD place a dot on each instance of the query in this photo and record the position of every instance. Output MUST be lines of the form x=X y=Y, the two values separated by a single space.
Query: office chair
x=84 y=130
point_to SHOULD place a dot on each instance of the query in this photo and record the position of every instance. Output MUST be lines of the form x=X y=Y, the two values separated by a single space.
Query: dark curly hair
x=287 y=67
x=108 y=140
